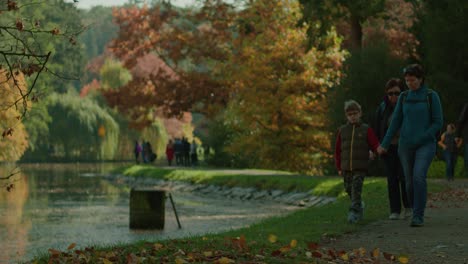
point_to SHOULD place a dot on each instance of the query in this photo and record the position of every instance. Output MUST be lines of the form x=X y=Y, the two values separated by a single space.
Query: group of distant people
x=185 y=153
x=405 y=135
x=144 y=152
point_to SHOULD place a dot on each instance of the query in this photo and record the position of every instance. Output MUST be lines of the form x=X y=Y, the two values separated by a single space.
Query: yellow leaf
x=272 y=238
x=375 y=253
x=204 y=238
x=157 y=246
x=362 y=251
x=208 y=253
x=106 y=261
x=403 y=259
x=285 y=249
x=180 y=261
x=293 y=243
x=71 y=246
x=345 y=257
x=224 y=260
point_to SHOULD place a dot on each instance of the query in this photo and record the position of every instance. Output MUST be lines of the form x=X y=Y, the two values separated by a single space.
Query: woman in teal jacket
x=418 y=116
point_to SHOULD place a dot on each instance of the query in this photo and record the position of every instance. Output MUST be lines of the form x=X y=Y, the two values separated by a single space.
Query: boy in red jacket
x=353 y=142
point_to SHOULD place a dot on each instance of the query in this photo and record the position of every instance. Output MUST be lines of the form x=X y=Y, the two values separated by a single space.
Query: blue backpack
x=429 y=103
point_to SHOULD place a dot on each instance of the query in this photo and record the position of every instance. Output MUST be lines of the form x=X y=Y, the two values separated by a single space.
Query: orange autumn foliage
x=250 y=64
x=280 y=103
x=13 y=142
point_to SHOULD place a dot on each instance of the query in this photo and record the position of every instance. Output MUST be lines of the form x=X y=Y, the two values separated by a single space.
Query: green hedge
x=437 y=169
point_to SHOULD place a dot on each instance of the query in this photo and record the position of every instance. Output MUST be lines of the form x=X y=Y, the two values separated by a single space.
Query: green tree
x=80 y=129
x=100 y=30
x=442 y=31
x=367 y=71
x=354 y=12
x=114 y=75
x=66 y=61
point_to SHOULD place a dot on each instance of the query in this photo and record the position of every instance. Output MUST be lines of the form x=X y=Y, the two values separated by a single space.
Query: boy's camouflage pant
x=353 y=181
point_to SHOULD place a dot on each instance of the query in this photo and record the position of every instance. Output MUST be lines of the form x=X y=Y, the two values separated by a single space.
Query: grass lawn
x=287 y=239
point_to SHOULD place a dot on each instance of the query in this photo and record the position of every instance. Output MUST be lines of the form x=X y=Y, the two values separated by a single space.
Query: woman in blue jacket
x=418 y=117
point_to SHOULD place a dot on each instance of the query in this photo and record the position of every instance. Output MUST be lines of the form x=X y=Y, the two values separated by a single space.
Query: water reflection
x=54 y=206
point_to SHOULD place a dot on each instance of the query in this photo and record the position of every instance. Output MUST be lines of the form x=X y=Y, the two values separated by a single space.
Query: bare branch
x=11 y=174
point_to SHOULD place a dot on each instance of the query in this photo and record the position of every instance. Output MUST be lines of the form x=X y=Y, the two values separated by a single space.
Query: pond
x=52 y=206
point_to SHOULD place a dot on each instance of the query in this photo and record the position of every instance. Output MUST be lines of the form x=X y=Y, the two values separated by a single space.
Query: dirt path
x=443 y=239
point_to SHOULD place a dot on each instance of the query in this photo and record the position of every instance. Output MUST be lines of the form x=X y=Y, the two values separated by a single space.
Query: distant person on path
x=186 y=151
x=137 y=151
x=418 y=117
x=353 y=142
x=193 y=153
x=170 y=152
x=178 y=149
x=144 y=152
x=462 y=134
x=450 y=147
x=395 y=178
x=151 y=156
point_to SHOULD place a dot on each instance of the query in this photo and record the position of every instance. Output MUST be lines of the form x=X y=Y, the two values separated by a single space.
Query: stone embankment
x=303 y=199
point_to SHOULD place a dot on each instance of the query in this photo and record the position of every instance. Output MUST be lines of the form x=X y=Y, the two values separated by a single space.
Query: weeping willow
x=80 y=128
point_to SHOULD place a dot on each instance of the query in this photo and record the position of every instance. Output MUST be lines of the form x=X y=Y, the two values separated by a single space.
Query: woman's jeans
x=450 y=161
x=395 y=180
x=416 y=162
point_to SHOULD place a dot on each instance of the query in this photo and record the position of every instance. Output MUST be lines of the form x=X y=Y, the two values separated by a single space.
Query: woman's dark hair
x=392 y=83
x=415 y=70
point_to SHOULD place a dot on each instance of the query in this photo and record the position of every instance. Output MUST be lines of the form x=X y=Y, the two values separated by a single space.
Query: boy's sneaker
x=408 y=213
x=352 y=217
x=394 y=216
x=417 y=222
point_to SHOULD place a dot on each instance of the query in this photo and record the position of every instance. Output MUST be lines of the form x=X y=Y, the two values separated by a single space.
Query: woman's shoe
x=417 y=222
x=408 y=213
x=394 y=216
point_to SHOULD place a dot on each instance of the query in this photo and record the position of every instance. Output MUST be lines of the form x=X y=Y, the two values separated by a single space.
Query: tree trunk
x=356 y=33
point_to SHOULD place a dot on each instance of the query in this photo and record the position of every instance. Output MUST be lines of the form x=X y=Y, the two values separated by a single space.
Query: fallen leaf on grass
x=272 y=238
x=332 y=254
x=285 y=249
x=157 y=246
x=312 y=246
x=224 y=260
x=179 y=260
x=317 y=254
x=389 y=256
x=71 y=246
x=403 y=259
x=293 y=243
x=106 y=261
x=375 y=253
x=54 y=252
x=362 y=251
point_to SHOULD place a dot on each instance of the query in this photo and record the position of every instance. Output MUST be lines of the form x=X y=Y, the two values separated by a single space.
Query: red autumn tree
x=186 y=50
